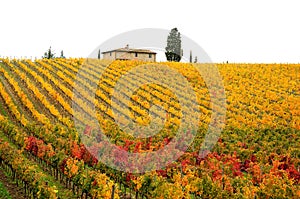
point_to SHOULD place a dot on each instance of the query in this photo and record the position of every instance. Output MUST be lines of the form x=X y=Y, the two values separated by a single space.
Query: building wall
x=130 y=56
x=123 y=55
x=109 y=56
x=143 y=56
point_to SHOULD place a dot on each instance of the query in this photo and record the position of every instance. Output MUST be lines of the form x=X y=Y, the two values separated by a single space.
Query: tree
x=173 y=49
x=196 y=59
x=62 y=54
x=191 y=57
x=48 y=54
x=99 y=54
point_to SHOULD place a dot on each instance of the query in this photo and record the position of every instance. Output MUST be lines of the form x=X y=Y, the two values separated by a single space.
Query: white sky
x=233 y=30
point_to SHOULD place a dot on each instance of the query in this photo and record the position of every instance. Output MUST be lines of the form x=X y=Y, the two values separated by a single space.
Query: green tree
x=99 y=54
x=62 y=54
x=173 y=49
x=49 y=54
x=196 y=59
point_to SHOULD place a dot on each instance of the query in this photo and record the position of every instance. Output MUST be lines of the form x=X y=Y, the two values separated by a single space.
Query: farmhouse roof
x=131 y=50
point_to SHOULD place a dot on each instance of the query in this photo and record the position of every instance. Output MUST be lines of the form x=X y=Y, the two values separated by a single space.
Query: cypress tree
x=173 y=49
x=99 y=54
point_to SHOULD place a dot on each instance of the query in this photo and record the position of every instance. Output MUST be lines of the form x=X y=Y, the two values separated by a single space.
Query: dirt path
x=14 y=191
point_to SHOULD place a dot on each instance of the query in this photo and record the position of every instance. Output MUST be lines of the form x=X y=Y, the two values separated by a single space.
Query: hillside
x=52 y=110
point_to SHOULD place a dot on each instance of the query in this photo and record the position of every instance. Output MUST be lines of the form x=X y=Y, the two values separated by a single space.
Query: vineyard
x=44 y=130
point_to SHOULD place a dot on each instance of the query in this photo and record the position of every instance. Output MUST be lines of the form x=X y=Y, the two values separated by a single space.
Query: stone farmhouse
x=130 y=54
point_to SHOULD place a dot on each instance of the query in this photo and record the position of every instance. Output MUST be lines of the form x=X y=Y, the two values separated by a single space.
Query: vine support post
x=113 y=192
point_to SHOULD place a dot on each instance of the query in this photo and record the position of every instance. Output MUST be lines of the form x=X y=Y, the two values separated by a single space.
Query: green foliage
x=99 y=54
x=196 y=59
x=173 y=49
x=62 y=54
x=49 y=54
x=3 y=192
